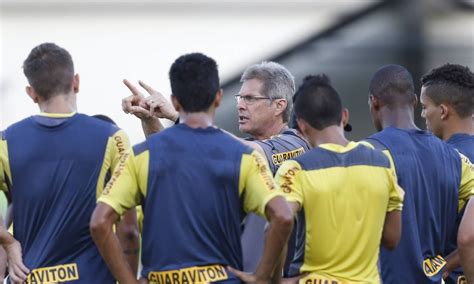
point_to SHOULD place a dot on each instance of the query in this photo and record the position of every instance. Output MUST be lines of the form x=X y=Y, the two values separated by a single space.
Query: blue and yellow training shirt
x=195 y=185
x=345 y=193
x=438 y=182
x=54 y=167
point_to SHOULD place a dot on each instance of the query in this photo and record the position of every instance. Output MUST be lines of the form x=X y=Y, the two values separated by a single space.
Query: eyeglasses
x=250 y=99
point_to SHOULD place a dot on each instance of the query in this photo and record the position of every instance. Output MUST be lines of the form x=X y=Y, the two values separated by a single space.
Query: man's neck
x=400 y=117
x=458 y=126
x=197 y=119
x=59 y=104
x=273 y=130
x=332 y=134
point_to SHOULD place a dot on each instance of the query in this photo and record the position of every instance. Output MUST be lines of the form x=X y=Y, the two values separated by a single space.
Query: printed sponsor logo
x=279 y=158
x=467 y=161
x=461 y=280
x=264 y=172
x=433 y=265
x=196 y=274
x=123 y=156
x=287 y=179
x=318 y=279
x=54 y=274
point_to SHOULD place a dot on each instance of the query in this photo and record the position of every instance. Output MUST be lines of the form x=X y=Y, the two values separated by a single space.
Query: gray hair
x=278 y=83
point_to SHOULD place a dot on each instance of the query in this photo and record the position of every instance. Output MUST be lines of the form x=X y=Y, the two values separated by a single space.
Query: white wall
x=140 y=40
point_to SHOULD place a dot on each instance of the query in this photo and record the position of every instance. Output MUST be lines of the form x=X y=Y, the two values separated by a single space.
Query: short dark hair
x=194 y=81
x=49 y=70
x=452 y=84
x=393 y=85
x=318 y=103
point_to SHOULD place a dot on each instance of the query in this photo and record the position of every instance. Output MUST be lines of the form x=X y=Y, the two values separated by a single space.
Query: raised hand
x=135 y=103
x=158 y=105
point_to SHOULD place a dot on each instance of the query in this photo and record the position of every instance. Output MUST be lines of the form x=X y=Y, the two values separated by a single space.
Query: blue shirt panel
x=192 y=207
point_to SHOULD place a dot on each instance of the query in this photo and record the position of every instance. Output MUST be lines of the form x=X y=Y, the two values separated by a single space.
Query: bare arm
x=11 y=250
x=106 y=241
x=128 y=235
x=466 y=241
x=453 y=261
x=392 y=229
x=280 y=219
x=280 y=226
x=277 y=275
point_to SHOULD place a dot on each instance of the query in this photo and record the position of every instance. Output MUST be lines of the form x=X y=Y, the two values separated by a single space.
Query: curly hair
x=452 y=84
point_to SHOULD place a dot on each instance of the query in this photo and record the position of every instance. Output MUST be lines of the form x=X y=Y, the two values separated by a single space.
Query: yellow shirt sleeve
x=256 y=184
x=5 y=173
x=117 y=151
x=288 y=179
x=466 y=187
x=128 y=183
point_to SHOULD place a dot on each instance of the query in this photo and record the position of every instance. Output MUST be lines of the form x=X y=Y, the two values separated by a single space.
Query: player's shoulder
x=107 y=124
x=359 y=154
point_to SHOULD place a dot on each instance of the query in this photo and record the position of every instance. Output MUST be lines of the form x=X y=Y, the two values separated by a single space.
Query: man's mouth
x=243 y=119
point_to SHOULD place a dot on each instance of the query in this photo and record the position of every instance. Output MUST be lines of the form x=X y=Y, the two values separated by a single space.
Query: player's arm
x=392 y=230
x=102 y=222
x=466 y=191
x=121 y=193
x=466 y=228
x=129 y=237
x=262 y=196
x=10 y=249
x=280 y=226
x=466 y=241
x=117 y=154
x=295 y=208
x=288 y=179
x=17 y=270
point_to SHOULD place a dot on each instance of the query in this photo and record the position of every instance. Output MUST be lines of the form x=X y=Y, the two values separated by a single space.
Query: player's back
x=55 y=165
x=345 y=195
x=192 y=206
x=430 y=172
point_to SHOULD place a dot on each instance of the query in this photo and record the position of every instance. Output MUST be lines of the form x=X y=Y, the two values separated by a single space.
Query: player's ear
x=32 y=93
x=176 y=104
x=218 y=99
x=345 y=117
x=281 y=105
x=374 y=102
x=75 y=83
x=444 y=111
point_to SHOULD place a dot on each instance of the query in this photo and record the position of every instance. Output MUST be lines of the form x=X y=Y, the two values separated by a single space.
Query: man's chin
x=244 y=129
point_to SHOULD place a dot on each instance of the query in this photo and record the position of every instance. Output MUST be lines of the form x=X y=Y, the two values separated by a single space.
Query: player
x=55 y=164
x=436 y=180
x=347 y=191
